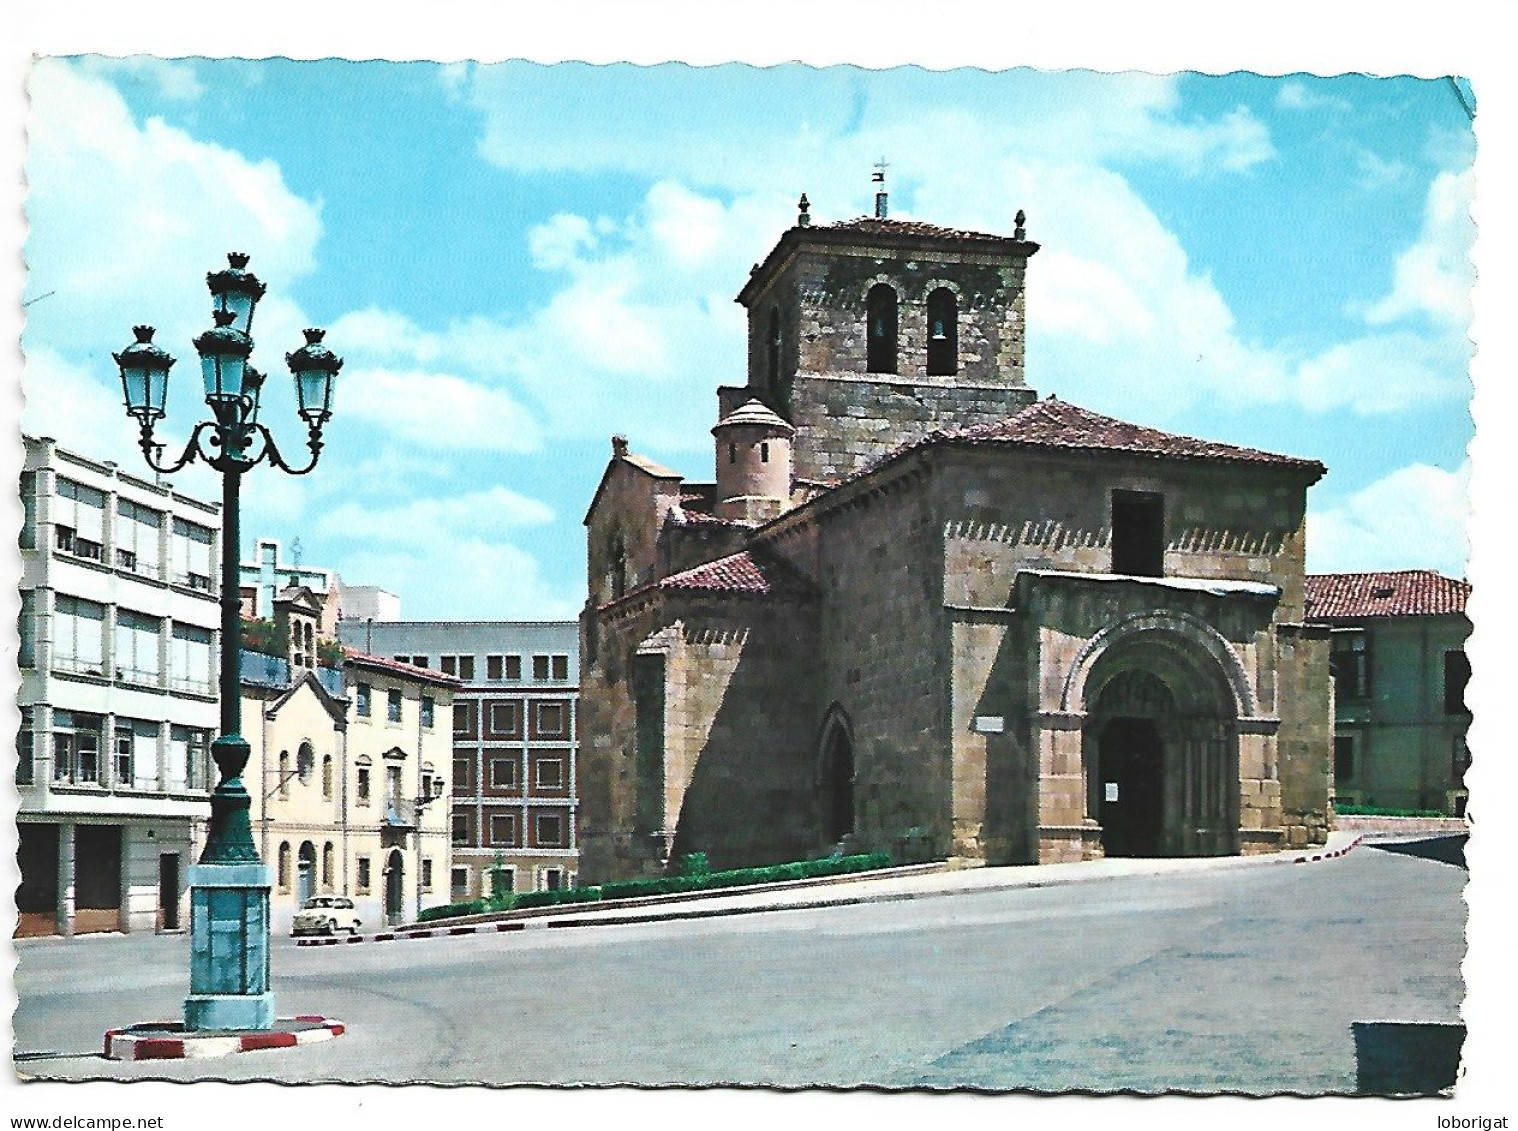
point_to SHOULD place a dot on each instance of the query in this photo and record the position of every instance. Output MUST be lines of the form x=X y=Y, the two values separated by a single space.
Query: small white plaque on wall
x=1111 y=791
x=990 y=724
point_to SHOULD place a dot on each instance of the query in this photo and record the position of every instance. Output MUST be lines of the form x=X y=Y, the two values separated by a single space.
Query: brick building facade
x=513 y=780
x=919 y=610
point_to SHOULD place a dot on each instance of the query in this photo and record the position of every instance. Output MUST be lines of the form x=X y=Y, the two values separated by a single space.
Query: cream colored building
x=346 y=778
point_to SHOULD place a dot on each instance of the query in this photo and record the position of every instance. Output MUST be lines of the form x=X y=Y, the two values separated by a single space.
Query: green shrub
x=695 y=864
x=1379 y=811
x=451 y=910
x=561 y=895
x=744 y=877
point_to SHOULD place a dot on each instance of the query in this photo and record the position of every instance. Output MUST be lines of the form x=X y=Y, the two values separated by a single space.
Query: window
x=419 y=661
x=549 y=773
x=363 y=693
x=363 y=785
x=427 y=783
x=503 y=881
x=880 y=350
x=393 y=788
x=329 y=857
x=26 y=629
x=1138 y=533
x=78 y=635
x=503 y=773
x=460 y=830
x=189 y=759
x=429 y=708
x=550 y=830
x=461 y=666
x=1344 y=758
x=138 y=537
x=550 y=879
x=550 y=720
x=393 y=709
x=363 y=875
x=513 y=669
x=495 y=668
x=305 y=763
x=764 y=451
x=76 y=747
x=190 y=659
x=28 y=510
x=79 y=520
x=772 y=344
x=560 y=667
x=1460 y=759
x=504 y=720
x=1457 y=673
x=540 y=668
x=284 y=865
x=732 y=453
x=136 y=655
x=284 y=773
x=24 y=755
x=463 y=776
x=503 y=829
x=190 y=555
x=459 y=881
x=545 y=668
x=121 y=756
x=426 y=873
x=943 y=333
x=1347 y=662
x=327 y=776
x=464 y=720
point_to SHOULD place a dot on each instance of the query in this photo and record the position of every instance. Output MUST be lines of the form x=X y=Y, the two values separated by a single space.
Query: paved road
x=1244 y=979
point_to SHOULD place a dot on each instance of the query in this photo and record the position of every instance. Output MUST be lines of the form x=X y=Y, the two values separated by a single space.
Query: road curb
x=677 y=912
x=166 y=1040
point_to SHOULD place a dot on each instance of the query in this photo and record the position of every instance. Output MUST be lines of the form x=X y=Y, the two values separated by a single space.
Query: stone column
x=66 y=879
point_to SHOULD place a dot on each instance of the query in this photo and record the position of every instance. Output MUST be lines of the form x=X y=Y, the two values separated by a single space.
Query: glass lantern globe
x=144 y=376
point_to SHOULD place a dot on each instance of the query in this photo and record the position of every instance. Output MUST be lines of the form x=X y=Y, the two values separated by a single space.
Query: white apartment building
x=118 y=653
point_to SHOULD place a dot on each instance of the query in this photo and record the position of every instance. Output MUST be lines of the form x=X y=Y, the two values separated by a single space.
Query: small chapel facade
x=920 y=610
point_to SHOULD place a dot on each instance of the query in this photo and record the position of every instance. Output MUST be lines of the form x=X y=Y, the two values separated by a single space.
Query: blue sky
x=518 y=260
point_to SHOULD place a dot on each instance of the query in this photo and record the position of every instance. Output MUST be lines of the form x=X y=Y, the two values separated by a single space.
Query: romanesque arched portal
x=1160 y=747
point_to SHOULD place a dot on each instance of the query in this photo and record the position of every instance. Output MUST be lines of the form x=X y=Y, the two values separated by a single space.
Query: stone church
x=921 y=610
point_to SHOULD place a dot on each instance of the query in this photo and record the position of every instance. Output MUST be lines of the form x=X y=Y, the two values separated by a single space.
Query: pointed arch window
x=772 y=346
x=881 y=329
x=618 y=568
x=943 y=333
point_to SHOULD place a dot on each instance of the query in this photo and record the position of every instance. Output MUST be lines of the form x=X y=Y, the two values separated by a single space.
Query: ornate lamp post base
x=229 y=948
x=229 y=911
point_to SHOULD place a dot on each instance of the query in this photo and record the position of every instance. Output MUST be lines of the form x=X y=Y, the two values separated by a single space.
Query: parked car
x=326 y=915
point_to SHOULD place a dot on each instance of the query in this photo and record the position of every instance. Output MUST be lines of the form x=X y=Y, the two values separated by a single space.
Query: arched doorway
x=835 y=778
x=1160 y=747
x=395 y=886
x=305 y=874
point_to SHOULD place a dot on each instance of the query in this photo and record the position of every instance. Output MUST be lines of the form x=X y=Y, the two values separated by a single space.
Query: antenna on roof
x=880 y=190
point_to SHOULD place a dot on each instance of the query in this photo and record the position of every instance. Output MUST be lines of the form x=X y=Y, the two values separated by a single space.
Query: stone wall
x=885 y=661
x=846 y=421
x=1304 y=743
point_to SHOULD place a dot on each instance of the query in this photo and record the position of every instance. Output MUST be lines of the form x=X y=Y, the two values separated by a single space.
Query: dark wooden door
x=1130 y=765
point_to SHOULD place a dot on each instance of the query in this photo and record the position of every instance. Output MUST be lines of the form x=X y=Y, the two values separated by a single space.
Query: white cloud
x=172 y=78
x=492 y=511
x=1294 y=95
x=127 y=218
x=492 y=580
x=1434 y=276
x=436 y=410
x=1416 y=516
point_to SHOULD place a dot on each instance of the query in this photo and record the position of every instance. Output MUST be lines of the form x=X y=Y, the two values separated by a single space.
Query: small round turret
x=753 y=463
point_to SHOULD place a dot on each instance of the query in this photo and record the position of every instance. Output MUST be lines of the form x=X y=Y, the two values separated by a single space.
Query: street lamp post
x=229 y=886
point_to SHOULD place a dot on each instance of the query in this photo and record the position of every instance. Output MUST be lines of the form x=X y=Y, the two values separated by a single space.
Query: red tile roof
x=1400 y=593
x=873 y=225
x=740 y=573
x=1056 y=424
x=395 y=667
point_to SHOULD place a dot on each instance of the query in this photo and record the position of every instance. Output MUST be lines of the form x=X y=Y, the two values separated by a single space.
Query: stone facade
x=982 y=627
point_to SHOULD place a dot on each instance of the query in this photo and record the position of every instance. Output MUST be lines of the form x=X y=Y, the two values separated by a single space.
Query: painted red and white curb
x=1314 y=857
x=166 y=1040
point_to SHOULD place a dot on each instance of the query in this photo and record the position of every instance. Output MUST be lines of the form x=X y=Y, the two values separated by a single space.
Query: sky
x=518 y=260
